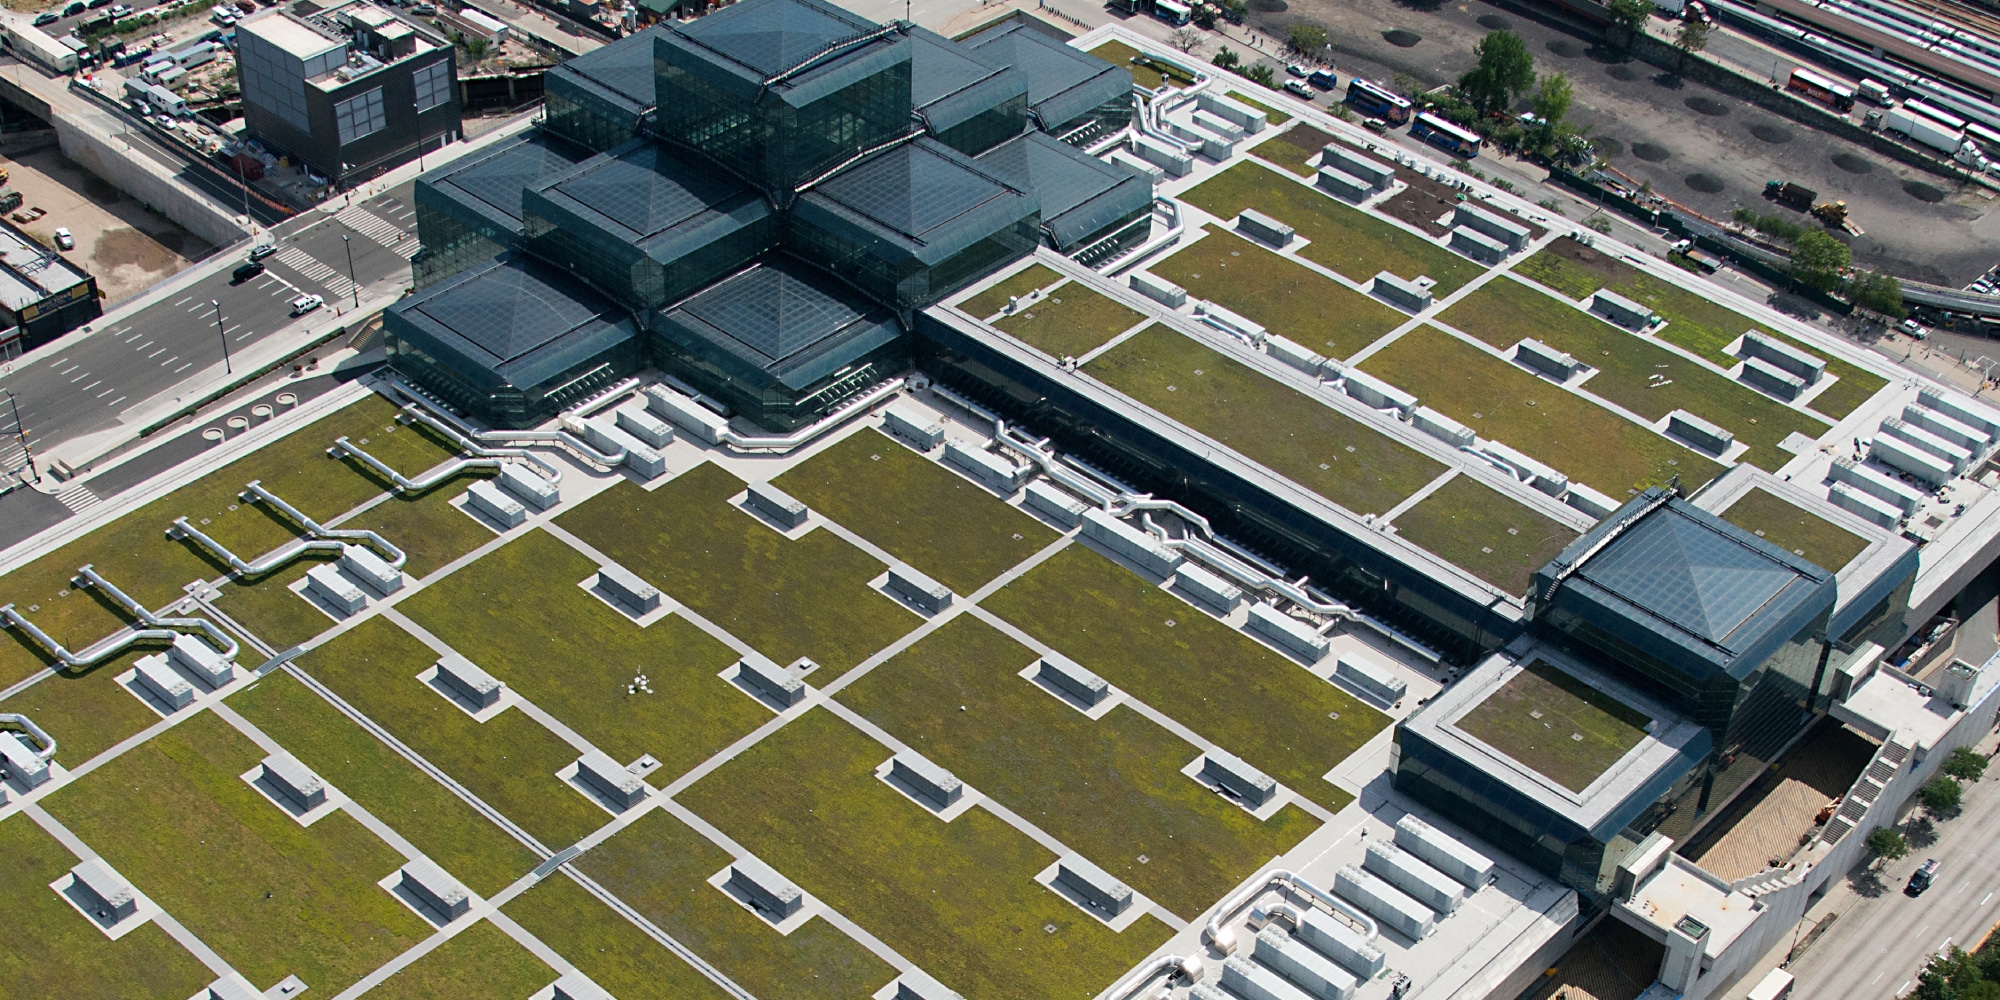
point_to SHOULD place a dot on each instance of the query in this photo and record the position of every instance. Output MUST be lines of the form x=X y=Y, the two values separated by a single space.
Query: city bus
x=1377 y=101
x=1811 y=84
x=1172 y=11
x=1446 y=136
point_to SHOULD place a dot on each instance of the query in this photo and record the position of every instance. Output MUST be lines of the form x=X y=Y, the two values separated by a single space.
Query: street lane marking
x=94 y=383
x=1988 y=899
x=157 y=352
x=107 y=392
x=115 y=402
x=185 y=365
x=177 y=357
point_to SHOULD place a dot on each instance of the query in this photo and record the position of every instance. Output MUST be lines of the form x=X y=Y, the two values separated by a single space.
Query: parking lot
x=126 y=245
x=1704 y=149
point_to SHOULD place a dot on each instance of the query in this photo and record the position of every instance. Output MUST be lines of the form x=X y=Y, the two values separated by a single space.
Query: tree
x=1186 y=37
x=1693 y=37
x=1630 y=14
x=1552 y=99
x=1965 y=764
x=1262 y=74
x=1817 y=260
x=1886 y=843
x=1308 y=39
x=1505 y=70
x=1940 y=796
x=1227 y=59
x=1882 y=293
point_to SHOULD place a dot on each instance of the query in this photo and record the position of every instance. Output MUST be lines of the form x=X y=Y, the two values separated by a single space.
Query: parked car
x=263 y=250
x=94 y=4
x=424 y=9
x=245 y=271
x=1914 y=329
x=47 y=17
x=74 y=9
x=305 y=304
x=1299 y=89
x=64 y=241
x=1376 y=125
x=121 y=11
x=1922 y=878
x=29 y=214
x=1299 y=70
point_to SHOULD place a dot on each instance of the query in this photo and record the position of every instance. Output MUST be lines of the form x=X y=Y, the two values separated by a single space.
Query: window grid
x=360 y=116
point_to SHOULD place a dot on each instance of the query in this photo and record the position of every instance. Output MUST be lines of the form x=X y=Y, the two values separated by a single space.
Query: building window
x=359 y=116
x=433 y=84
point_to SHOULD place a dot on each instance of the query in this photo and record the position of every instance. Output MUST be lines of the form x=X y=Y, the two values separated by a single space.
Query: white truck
x=1936 y=135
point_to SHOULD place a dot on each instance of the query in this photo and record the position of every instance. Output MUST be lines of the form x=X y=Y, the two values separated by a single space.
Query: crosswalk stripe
x=308 y=266
x=372 y=226
x=78 y=498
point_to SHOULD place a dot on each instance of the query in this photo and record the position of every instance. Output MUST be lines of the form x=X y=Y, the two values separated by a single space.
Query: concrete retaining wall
x=147 y=180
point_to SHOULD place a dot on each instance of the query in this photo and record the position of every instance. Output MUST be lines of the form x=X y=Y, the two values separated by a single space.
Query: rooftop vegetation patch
x=1070 y=321
x=1497 y=539
x=1556 y=724
x=603 y=945
x=1776 y=520
x=995 y=297
x=480 y=960
x=1278 y=293
x=85 y=710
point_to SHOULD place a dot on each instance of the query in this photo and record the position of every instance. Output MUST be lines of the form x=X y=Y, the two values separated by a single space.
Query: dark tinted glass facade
x=1072 y=95
x=601 y=99
x=961 y=100
x=1085 y=201
x=471 y=212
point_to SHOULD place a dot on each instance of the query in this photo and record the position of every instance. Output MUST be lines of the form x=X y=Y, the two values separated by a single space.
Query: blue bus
x=1377 y=101
x=1323 y=79
x=1446 y=136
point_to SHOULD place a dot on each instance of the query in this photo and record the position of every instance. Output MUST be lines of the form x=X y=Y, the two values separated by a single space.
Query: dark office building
x=601 y=98
x=962 y=100
x=42 y=295
x=471 y=211
x=1089 y=207
x=1072 y=94
x=352 y=90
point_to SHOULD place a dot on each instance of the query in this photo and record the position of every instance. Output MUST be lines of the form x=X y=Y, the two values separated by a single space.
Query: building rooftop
x=1570 y=731
x=31 y=272
x=493 y=181
x=949 y=84
x=642 y=190
x=1063 y=82
x=1079 y=194
x=783 y=318
x=621 y=72
x=518 y=317
x=294 y=36
x=766 y=40
x=922 y=195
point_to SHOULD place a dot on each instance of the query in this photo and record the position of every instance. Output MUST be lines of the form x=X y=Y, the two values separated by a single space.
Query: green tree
x=1227 y=58
x=1966 y=764
x=1882 y=293
x=1692 y=38
x=1630 y=14
x=1307 y=39
x=1505 y=71
x=1940 y=796
x=1817 y=260
x=1262 y=74
x=1552 y=100
x=1887 y=843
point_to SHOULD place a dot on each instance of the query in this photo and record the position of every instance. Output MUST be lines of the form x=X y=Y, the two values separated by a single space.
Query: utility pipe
x=222 y=641
x=784 y=443
x=48 y=750
x=396 y=557
x=272 y=560
x=1224 y=938
x=1186 y=967
x=343 y=448
x=475 y=442
x=97 y=652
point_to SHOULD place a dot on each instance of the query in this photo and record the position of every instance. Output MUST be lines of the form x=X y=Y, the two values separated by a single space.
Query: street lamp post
x=21 y=433
x=227 y=368
x=353 y=285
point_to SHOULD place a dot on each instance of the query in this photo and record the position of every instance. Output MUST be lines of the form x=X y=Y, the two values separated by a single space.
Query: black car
x=245 y=271
x=74 y=9
x=47 y=17
x=1922 y=878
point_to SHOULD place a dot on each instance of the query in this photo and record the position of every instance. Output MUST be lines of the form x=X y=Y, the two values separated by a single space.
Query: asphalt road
x=1878 y=944
x=86 y=386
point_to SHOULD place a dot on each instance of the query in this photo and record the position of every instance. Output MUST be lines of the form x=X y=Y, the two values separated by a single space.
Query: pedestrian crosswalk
x=310 y=268
x=79 y=498
x=378 y=229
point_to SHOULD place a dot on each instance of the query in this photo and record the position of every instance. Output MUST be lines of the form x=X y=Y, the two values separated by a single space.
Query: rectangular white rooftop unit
x=1701 y=433
x=161 y=682
x=529 y=485
x=1443 y=428
x=1072 y=679
x=1514 y=235
x=1547 y=360
x=998 y=473
x=1294 y=355
x=1924 y=440
x=1947 y=427
x=928 y=780
x=201 y=659
x=1131 y=543
x=913 y=425
x=1477 y=245
x=1408 y=294
x=780 y=684
x=1878 y=512
x=230 y=988
x=1342 y=184
x=1290 y=634
x=918 y=985
x=488 y=500
x=1173 y=160
x=328 y=585
x=767 y=890
x=1881 y=486
x=1059 y=506
x=294 y=780
x=20 y=761
x=573 y=985
x=1218 y=125
x=1772 y=379
x=1208 y=588
x=1962 y=409
x=1376 y=174
x=1443 y=852
x=107 y=894
x=1386 y=903
x=1340 y=942
x=1908 y=458
x=1098 y=889
x=930 y=596
x=1530 y=471
x=1263 y=228
x=1418 y=880
x=1251 y=981
x=1589 y=501
x=1158 y=289
x=1808 y=367
x=468 y=680
x=1621 y=310
x=628 y=589
x=1241 y=115
x=1304 y=967
x=604 y=433
x=1371 y=678
x=652 y=430
x=437 y=889
x=1374 y=392
x=363 y=564
x=705 y=424
x=1150 y=171
x=777 y=505
x=1237 y=777
x=610 y=779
